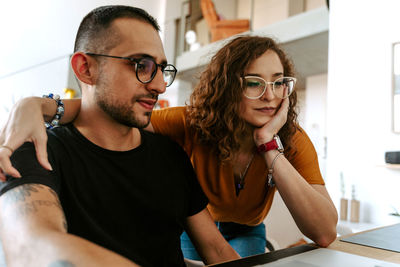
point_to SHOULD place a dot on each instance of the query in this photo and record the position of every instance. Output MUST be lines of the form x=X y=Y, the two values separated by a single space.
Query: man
x=126 y=194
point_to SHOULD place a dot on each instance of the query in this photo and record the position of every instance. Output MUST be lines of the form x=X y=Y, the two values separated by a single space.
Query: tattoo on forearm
x=61 y=263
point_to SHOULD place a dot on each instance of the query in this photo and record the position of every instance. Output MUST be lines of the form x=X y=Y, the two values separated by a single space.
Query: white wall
x=178 y=94
x=265 y=12
x=34 y=32
x=314 y=113
x=226 y=8
x=359 y=104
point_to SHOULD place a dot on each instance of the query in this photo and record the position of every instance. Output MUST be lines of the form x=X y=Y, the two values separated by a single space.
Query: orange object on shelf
x=221 y=29
x=69 y=93
x=163 y=103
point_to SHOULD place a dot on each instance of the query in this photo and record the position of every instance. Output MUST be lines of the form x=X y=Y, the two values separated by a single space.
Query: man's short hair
x=93 y=34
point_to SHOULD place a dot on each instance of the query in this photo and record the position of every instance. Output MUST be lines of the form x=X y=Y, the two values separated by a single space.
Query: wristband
x=55 y=121
x=275 y=143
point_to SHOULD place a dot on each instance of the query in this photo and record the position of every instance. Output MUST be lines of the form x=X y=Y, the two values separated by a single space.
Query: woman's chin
x=259 y=123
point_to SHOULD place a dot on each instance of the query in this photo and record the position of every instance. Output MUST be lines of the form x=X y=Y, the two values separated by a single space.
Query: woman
x=244 y=103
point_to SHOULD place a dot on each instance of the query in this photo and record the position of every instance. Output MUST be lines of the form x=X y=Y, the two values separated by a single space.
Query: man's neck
x=105 y=132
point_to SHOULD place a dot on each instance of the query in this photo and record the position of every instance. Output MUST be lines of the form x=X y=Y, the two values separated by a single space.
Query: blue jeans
x=246 y=240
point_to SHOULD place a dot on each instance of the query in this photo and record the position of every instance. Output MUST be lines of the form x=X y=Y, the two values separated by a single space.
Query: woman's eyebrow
x=259 y=75
x=277 y=74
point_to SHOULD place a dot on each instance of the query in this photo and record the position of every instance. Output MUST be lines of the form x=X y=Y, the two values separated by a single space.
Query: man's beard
x=121 y=112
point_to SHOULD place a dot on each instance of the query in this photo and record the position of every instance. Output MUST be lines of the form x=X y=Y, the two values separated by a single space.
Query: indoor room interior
x=347 y=68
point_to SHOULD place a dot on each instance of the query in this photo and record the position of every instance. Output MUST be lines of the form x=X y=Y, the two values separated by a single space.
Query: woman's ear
x=84 y=67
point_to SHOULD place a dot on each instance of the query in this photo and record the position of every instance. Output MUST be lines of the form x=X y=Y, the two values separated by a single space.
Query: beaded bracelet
x=55 y=121
x=270 y=181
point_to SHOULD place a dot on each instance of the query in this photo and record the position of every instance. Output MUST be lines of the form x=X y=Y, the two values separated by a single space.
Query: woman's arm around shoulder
x=26 y=124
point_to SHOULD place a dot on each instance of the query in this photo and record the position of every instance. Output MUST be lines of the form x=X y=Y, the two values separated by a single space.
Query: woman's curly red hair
x=214 y=106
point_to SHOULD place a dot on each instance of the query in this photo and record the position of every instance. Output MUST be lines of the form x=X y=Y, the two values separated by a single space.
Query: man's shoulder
x=154 y=136
x=61 y=135
x=62 y=130
x=162 y=144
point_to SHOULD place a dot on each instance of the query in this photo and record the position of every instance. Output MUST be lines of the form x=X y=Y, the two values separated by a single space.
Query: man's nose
x=157 y=85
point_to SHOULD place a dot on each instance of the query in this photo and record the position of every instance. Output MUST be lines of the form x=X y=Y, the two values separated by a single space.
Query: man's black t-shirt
x=133 y=202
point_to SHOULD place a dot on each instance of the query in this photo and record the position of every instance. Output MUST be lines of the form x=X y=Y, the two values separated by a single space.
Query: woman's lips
x=267 y=110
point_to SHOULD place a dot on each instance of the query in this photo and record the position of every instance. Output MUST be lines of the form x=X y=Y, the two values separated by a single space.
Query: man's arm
x=34 y=233
x=209 y=242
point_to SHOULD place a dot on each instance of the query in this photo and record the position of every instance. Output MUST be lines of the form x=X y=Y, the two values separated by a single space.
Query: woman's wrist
x=259 y=140
x=55 y=120
x=48 y=108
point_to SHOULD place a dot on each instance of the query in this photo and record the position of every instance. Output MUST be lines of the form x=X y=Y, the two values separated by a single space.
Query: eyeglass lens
x=255 y=87
x=169 y=74
x=146 y=69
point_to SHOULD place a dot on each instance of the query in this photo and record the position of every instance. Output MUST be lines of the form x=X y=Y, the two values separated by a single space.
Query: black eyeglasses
x=146 y=68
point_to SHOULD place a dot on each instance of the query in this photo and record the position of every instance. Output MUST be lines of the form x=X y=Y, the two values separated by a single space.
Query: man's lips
x=147 y=103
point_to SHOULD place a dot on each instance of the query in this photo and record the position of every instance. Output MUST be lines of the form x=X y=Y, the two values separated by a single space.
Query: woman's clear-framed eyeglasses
x=255 y=87
x=146 y=68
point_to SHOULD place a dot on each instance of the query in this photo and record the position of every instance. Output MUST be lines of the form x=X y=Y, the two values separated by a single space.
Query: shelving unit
x=304 y=37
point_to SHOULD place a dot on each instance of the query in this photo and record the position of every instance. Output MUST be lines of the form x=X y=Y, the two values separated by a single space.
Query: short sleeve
x=197 y=199
x=304 y=159
x=24 y=160
x=170 y=122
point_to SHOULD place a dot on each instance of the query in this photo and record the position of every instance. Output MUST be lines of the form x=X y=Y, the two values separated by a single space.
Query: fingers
x=264 y=133
x=41 y=152
x=5 y=164
x=2 y=176
x=284 y=106
x=6 y=150
x=2 y=136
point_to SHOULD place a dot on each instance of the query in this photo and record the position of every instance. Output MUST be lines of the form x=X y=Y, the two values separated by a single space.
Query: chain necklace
x=242 y=176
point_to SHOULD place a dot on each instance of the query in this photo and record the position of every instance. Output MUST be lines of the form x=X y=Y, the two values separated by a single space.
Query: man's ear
x=84 y=67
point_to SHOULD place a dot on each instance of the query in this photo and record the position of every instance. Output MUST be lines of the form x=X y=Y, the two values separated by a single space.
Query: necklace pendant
x=239 y=186
x=242 y=176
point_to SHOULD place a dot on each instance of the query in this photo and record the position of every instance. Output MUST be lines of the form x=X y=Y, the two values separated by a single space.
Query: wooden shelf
x=304 y=37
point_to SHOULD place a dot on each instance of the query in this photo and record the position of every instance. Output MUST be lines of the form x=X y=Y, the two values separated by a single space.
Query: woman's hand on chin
x=266 y=133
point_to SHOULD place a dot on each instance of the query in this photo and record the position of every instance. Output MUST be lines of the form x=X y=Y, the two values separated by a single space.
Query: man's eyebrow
x=142 y=55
